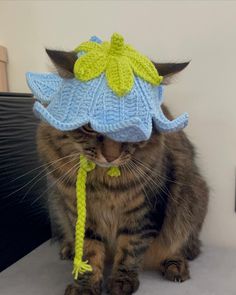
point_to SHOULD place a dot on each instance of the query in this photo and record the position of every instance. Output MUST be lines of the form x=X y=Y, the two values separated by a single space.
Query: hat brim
x=117 y=131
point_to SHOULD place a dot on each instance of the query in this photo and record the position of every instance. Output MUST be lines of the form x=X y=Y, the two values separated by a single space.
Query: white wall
x=202 y=31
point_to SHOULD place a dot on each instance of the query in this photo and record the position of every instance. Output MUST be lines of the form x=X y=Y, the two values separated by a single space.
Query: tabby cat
x=148 y=218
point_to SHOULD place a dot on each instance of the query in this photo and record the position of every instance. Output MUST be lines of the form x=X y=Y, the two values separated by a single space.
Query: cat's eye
x=87 y=129
x=100 y=138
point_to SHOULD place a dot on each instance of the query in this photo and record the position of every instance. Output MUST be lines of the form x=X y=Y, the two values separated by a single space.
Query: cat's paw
x=125 y=283
x=176 y=270
x=75 y=289
x=66 y=251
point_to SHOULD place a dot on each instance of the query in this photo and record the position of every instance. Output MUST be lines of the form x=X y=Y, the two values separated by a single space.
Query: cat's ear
x=168 y=70
x=64 y=62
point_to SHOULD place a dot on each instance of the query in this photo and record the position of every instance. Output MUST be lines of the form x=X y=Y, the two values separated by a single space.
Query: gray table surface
x=42 y=272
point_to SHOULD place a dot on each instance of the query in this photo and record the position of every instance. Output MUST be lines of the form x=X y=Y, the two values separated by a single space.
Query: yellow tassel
x=80 y=266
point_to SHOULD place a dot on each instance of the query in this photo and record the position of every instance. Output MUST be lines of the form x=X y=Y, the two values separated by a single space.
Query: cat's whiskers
x=147 y=199
x=152 y=185
x=136 y=178
x=76 y=166
x=146 y=166
x=48 y=164
x=157 y=185
x=164 y=177
x=40 y=173
x=45 y=175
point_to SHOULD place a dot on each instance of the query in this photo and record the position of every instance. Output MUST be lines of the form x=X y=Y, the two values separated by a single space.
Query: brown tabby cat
x=148 y=218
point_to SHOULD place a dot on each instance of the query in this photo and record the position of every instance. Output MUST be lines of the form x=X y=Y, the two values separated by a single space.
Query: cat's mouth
x=106 y=164
x=103 y=164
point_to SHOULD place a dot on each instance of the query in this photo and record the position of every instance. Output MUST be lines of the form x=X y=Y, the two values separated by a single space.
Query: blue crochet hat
x=116 y=89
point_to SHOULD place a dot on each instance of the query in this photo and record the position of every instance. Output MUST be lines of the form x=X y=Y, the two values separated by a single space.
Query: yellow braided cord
x=80 y=266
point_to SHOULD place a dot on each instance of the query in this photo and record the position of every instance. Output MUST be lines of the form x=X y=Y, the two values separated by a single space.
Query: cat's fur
x=149 y=217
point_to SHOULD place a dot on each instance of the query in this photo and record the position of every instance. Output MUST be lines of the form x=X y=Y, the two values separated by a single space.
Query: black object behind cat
x=23 y=221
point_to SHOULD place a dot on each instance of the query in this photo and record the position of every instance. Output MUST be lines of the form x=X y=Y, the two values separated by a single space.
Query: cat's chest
x=105 y=214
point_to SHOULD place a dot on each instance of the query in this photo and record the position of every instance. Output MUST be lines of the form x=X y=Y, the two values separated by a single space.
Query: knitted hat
x=116 y=89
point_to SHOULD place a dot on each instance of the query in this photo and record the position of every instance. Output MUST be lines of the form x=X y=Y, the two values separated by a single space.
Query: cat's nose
x=111 y=149
x=110 y=158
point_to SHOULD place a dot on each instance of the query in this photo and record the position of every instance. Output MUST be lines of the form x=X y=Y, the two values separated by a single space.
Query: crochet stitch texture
x=119 y=62
x=72 y=103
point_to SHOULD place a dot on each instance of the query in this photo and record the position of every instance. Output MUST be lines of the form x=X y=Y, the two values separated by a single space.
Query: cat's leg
x=169 y=260
x=66 y=239
x=61 y=225
x=177 y=240
x=127 y=262
x=66 y=249
x=90 y=283
x=65 y=234
x=192 y=248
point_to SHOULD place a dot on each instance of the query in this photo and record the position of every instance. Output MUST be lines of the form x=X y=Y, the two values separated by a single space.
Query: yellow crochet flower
x=119 y=61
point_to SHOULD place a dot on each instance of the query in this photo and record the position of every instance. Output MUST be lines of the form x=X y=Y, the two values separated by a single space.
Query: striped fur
x=149 y=217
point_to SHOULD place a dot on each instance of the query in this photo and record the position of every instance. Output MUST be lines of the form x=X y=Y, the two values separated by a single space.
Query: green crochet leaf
x=88 y=46
x=90 y=66
x=142 y=66
x=119 y=75
x=119 y=61
x=105 y=46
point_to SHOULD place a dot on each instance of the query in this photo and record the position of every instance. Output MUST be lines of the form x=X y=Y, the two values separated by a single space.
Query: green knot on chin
x=113 y=171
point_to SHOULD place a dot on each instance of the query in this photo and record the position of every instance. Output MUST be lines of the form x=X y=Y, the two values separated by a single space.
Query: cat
x=148 y=218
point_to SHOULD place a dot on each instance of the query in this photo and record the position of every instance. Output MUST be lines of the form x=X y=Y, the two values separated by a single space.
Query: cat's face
x=103 y=150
